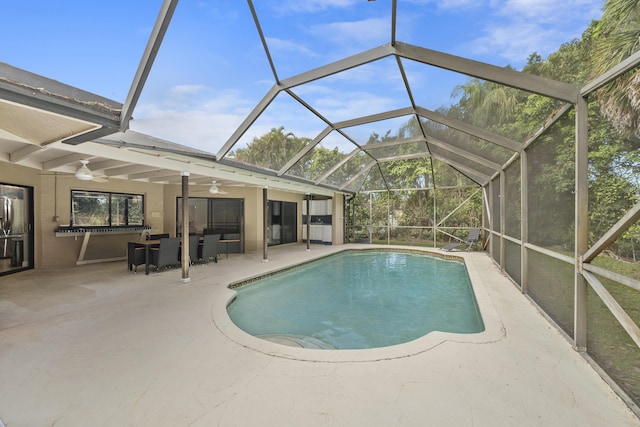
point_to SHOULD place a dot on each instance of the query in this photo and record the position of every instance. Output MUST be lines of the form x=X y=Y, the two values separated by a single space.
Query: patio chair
x=472 y=239
x=158 y=236
x=135 y=256
x=209 y=248
x=166 y=254
x=194 y=244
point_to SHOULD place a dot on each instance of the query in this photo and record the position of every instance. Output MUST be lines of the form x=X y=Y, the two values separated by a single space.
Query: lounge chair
x=472 y=239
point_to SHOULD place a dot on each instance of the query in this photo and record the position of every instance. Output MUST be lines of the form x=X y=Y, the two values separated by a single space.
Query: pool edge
x=493 y=331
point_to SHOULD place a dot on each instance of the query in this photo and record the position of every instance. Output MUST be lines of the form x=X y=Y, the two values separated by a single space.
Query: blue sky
x=211 y=70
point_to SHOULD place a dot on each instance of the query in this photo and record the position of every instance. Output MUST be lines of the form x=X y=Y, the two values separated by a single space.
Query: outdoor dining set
x=160 y=250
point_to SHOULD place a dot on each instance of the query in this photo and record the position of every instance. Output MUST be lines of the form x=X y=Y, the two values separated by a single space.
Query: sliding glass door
x=16 y=228
x=215 y=216
x=282 y=222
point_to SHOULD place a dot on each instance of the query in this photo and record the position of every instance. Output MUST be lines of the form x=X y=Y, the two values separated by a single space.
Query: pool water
x=358 y=300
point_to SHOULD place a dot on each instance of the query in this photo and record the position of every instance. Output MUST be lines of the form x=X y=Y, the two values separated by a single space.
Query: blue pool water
x=359 y=299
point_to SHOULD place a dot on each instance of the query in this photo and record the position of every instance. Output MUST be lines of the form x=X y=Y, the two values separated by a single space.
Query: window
x=100 y=209
x=215 y=216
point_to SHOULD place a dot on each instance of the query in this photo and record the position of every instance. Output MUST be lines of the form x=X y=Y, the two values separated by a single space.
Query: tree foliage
x=272 y=150
x=614 y=116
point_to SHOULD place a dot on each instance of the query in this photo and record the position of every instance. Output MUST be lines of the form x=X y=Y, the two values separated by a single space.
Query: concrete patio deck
x=100 y=346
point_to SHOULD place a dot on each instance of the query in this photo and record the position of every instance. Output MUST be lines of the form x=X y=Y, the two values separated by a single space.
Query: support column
x=185 y=228
x=308 y=222
x=489 y=210
x=435 y=220
x=370 y=219
x=388 y=217
x=352 y=207
x=582 y=222
x=524 y=221
x=265 y=225
x=503 y=213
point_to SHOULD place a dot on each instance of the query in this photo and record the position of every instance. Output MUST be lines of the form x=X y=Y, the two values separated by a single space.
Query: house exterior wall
x=52 y=200
x=52 y=208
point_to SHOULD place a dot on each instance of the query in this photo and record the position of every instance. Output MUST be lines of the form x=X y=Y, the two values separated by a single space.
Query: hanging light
x=214 y=188
x=84 y=173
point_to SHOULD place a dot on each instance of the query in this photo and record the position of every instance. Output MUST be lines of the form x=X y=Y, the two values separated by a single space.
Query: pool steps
x=295 y=340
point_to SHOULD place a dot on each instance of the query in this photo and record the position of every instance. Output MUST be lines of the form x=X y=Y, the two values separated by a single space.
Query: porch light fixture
x=84 y=173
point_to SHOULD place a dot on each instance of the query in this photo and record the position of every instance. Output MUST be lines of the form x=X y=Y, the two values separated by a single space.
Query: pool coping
x=494 y=329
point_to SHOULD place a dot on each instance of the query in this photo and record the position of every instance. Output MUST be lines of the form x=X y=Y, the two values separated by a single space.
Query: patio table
x=148 y=244
x=226 y=246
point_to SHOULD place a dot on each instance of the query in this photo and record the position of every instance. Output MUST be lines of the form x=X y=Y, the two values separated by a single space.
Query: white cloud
x=200 y=122
x=345 y=105
x=518 y=28
x=551 y=11
x=195 y=129
x=448 y=4
x=314 y=6
x=517 y=41
x=352 y=33
x=458 y=4
x=187 y=90
x=530 y=8
x=289 y=46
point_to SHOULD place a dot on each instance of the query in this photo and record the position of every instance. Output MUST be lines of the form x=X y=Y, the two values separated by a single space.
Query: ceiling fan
x=215 y=190
x=83 y=173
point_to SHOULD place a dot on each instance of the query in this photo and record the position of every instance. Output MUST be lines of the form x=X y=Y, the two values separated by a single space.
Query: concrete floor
x=100 y=346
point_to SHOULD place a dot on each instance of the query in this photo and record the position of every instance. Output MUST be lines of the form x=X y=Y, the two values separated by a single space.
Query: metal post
x=524 y=221
x=185 y=228
x=265 y=225
x=370 y=219
x=353 y=217
x=435 y=207
x=489 y=210
x=582 y=222
x=308 y=222
x=484 y=216
x=503 y=209
x=345 y=219
x=388 y=217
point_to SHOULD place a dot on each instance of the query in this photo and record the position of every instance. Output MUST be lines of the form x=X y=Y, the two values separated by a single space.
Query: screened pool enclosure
x=544 y=160
x=548 y=168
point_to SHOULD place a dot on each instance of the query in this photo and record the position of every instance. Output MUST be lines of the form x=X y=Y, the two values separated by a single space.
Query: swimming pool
x=359 y=300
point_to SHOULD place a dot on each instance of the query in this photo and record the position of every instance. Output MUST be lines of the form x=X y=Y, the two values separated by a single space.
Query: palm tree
x=618 y=37
x=272 y=150
x=486 y=104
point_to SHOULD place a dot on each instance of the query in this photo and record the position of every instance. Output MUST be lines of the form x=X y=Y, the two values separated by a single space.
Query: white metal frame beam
x=519 y=80
x=470 y=129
